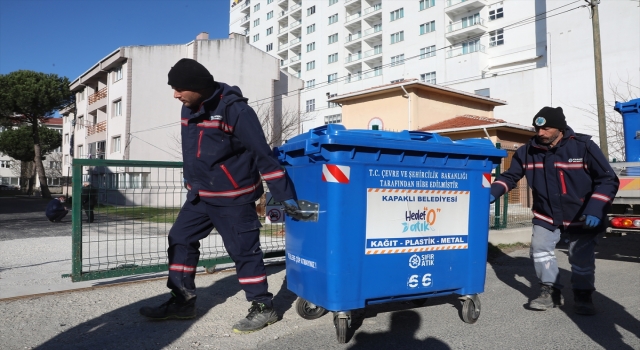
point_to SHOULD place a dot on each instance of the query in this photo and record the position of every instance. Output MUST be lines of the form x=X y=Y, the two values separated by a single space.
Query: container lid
x=629 y=107
x=335 y=134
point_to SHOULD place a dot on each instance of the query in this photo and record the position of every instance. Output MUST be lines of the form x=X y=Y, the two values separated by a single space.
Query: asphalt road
x=23 y=217
x=105 y=316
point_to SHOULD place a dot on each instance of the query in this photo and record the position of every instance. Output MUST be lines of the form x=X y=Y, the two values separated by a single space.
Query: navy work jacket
x=569 y=180
x=54 y=207
x=225 y=152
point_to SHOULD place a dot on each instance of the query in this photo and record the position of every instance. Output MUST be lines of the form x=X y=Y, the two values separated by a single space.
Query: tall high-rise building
x=530 y=53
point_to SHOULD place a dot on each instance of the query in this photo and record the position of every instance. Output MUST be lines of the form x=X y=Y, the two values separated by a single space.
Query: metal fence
x=134 y=205
x=513 y=210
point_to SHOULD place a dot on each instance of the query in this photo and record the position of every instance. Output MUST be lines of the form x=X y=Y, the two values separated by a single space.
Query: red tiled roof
x=462 y=121
x=53 y=121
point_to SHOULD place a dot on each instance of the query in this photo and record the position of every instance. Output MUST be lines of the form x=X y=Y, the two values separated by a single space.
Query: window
x=396 y=60
x=311 y=28
x=66 y=159
x=428 y=78
x=66 y=139
x=270 y=15
x=471 y=46
x=495 y=14
x=115 y=144
x=332 y=78
x=311 y=65
x=311 y=10
x=256 y=7
x=397 y=37
x=80 y=151
x=425 y=4
x=128 y=180
x=269 y=1
x=5 y=164
x=333 y=119
x=311 y=105
x=333 y=57
x=333 y=38
x=117 y=74
x=311 y=47
x=332 y=104
x=496 y=38
x=486 y=92
x=397 y=14
x=428 y=27
x=80 y=122
x=256 y=22
x=471 y=20
x=269 y=30
x=428 y=51
x=117 y=108
x=333 y=19
x=311 y=83
x=332 y=2
x=81 y=95
x=256 y=37
x=269 y=47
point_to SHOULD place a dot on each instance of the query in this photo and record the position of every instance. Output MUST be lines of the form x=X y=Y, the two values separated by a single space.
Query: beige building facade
x=409 y=105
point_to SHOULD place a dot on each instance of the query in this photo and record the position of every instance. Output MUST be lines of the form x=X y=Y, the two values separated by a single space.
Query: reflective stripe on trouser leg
x=192 y=225
x=542 y=251
x=583 y=260
x=240 y=230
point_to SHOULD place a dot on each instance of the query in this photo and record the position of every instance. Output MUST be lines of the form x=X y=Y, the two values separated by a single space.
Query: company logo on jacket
x=575 y=160
x=215 y=117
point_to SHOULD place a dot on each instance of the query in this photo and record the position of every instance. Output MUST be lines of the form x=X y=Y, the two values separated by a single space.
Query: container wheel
x=341 y=329
x=210 y=269
x=469 y=313
x=309 y=311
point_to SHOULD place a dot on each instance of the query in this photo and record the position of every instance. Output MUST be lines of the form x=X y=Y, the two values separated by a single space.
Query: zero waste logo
x=414 y=261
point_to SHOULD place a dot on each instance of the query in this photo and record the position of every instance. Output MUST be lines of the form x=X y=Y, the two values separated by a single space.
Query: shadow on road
x=401 y=335
x=603 y=327
x=125 y=325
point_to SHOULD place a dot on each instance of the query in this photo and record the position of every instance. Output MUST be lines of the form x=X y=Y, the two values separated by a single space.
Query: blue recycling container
x=630 y=112
x=400 y=215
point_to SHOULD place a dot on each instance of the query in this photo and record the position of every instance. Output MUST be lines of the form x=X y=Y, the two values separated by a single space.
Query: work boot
x=550 y=297
x=174 y=308
x=260 y=315
x=583 y=305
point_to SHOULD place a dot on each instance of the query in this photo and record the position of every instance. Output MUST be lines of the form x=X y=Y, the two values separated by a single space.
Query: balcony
x=375 y=73
x=295 y=59
x=458 y=7
x=353 y=58
x=295 y=41
x=377 y=8
x=283 y=29
x=98 y=95
x=282 y=46
x=295 y=8
x=244 y=8
x=352 y=17
x=282 y=13
x=244 y=22
x=353 y=37
x=371 y=53
x=465 y=50
x=281 y=2
x=354 y=77
x=371 y=31
x=284 y=63
x=465 y=29
x=350 y=1
x=96 y=128
x=295 y=24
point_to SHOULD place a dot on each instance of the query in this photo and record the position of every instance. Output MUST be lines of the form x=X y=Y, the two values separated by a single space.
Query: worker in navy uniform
x=225 y=158
x=573 y=186
x=56 y=210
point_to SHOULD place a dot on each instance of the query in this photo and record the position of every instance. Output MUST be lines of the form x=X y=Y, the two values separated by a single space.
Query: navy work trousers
x=239 y=228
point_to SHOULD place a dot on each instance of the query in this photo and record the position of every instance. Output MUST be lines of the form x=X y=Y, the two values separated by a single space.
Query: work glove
x=590 y=221
x=491 y=199
x=292 y=209
x=185 y=183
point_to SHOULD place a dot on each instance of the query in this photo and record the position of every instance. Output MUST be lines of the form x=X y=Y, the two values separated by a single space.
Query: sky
x=67 y=37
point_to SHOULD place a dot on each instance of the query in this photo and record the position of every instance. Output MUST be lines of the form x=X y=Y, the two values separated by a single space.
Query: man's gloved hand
x=491 y=199
x=185 y=183
x=293 y=210
x=590 y=221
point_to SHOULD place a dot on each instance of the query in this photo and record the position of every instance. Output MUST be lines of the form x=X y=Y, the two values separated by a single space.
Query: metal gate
x=134 y=205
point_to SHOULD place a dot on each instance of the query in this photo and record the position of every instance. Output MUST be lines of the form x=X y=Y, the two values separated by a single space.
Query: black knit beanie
x=550 y=117
x=188 y=74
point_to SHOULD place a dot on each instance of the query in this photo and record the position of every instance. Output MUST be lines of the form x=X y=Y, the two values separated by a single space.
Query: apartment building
x=530 y=53
x=125 y=109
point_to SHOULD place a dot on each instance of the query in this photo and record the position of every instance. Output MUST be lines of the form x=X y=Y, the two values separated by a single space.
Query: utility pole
x=597 y=57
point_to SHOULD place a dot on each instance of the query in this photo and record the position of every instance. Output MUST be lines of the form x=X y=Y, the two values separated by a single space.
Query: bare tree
x=278 y=128
x=621 y=91
x=53 y=169
x=26 y=172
